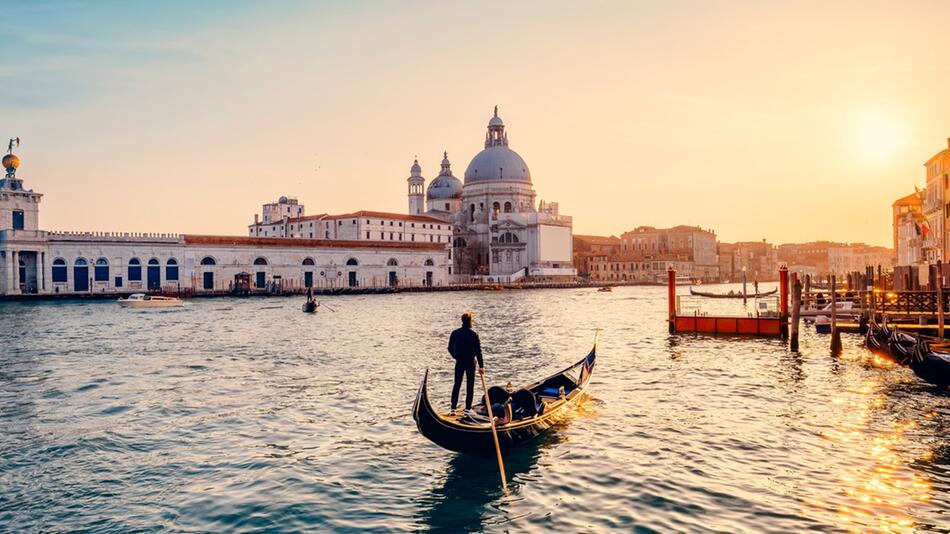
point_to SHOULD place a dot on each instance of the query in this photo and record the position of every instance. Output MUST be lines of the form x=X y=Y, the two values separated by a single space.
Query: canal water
x=248 y=415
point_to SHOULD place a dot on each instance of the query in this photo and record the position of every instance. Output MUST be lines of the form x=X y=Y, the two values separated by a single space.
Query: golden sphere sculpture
x=10 y=161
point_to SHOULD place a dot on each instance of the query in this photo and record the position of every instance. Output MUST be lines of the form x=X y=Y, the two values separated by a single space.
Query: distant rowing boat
x=731 y=294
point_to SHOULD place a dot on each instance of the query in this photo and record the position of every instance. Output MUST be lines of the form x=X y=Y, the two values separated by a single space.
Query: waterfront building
x=587 y=247
x=908 y=224
x=647 y=252
x=34 y=261
x=806 y=258
x=757 y=259
x=855 y=257
x=501 y=233
x=936 y=210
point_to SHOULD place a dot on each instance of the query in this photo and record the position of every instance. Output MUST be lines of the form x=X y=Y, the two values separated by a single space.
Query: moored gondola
x=901 y=346
x=877 y=337
x=932 y=366
x=532 y=410
x=731 y=294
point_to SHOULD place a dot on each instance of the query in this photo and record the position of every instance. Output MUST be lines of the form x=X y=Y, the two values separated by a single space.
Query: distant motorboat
x=731 y=294
x=606 y=289
x=141 y=300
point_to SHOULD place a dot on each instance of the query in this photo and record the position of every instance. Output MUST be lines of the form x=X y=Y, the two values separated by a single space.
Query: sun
x=877 y=137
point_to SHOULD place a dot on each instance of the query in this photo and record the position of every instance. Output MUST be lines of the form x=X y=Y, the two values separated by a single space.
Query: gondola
x=934 y=367
x=901 y=347
x=877 y=338
x=731 y=295
x=310 y=306
x=532 y=410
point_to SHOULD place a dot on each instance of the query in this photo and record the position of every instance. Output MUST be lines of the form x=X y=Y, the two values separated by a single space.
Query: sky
x=785 y=121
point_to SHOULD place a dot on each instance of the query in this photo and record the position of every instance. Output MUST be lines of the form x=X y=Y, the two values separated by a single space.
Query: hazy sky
x=789 y=121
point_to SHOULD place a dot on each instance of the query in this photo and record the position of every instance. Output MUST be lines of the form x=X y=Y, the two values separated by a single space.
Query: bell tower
x=416 y=186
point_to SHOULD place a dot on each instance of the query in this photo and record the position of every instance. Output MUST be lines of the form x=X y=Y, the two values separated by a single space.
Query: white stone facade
x=33 y=261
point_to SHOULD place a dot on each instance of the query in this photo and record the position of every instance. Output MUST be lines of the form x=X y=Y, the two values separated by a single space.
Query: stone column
x=41 y=273
x=14 y=273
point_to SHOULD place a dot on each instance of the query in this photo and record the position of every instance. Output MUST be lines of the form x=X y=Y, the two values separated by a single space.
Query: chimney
x=255 y=218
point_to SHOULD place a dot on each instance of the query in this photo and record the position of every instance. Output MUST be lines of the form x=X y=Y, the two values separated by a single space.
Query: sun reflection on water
x=877 y=486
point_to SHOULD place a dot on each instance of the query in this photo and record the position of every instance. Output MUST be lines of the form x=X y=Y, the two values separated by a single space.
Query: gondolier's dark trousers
x=467 y=369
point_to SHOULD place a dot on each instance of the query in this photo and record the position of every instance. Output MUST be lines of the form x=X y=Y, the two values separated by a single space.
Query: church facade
x=501 y=232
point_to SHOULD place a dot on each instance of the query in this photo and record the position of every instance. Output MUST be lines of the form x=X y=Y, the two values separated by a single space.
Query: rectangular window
x=17 y=219
x=367 y=235
x=171 y=273
x=101 y=273
x=59 y=274
x=118 y=281
x=382 y=235
x=135 y=273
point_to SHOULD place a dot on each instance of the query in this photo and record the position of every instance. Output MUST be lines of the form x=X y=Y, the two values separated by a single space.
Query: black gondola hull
x=478 y=440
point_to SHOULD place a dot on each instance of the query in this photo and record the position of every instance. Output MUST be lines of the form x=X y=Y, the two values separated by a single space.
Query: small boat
x=310 y=306
x=823 y=325
x=530 y=411
x=932 y=366
x=731 y=294
x=606 y=289
x=141 y=300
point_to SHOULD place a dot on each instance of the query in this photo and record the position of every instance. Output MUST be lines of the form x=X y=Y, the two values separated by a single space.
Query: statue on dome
x=10 y=144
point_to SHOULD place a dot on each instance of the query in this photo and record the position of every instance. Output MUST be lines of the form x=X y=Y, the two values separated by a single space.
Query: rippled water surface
x=246 y=414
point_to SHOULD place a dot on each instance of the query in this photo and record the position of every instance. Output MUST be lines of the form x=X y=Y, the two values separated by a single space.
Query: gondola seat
x=524 y=404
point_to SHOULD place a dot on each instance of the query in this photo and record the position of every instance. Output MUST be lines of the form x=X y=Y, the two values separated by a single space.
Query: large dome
x=497 y=163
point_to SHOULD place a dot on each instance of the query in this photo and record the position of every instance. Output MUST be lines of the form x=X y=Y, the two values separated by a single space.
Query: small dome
x=283 y=200
x=443 y=187
x=496 y=121
x=10 y=161
x=497 y=163
x=416 y=169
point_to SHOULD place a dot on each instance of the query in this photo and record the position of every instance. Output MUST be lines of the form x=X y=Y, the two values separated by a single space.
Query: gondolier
x=465 y=347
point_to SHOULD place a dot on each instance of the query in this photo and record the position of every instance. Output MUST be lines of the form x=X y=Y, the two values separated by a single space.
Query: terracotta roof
x=912 y=199
x=598 y=239
x=357 y=215
x=291 y=220
x=386 y=215
x=244 y=241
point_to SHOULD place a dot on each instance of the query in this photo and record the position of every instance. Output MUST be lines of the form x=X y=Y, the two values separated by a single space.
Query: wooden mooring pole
x=796 y=309
x=940 y=310
x=835 y=335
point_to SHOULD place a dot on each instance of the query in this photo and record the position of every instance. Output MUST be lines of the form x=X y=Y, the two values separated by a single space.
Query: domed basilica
x=499 y=231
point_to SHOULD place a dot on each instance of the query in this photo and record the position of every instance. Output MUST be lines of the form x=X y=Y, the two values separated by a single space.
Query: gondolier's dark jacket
x=464 y=345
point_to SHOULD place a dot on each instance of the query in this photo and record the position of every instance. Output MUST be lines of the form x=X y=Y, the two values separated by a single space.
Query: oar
x=494 y=433
x=327 y=307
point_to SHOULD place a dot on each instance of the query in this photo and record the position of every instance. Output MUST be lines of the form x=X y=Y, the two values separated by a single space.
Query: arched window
x=207 y=260
x=135 y=270
x=459 y=242
x=153 y=261
x=308 y=261
x=101 y=270
x=508 y=237
x=471 y=212
x=495 y=208
x=352 y=262
x=171 y=270
x=507 y=207
x=81 y=262
x=260 y=261
x=59 y=270
x=392 y=262
x=429 y=262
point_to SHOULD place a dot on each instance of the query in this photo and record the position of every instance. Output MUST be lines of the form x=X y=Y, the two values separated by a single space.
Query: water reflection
x=471 y=494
